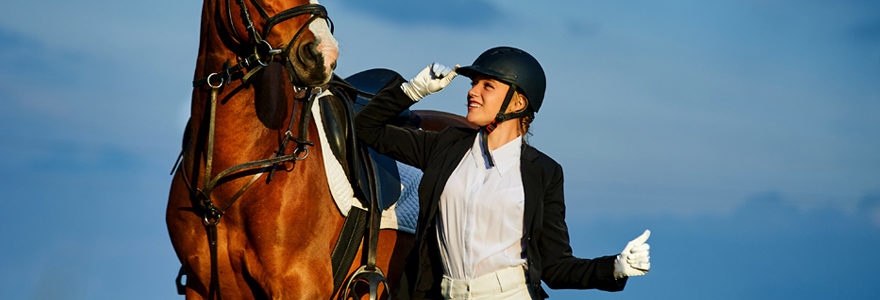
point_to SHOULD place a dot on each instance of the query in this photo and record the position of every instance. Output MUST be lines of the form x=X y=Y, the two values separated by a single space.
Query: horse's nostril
x=311 y=62
x=313 y=49
x=309 y=53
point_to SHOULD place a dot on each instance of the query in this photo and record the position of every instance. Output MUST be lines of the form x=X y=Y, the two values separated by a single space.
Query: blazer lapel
x=457 y=150
x=532 y=181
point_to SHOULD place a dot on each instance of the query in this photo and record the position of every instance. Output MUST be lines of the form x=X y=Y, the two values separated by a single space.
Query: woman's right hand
x=430 y=80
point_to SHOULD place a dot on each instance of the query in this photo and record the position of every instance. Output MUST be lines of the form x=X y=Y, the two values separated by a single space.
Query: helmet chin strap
x=500 y=117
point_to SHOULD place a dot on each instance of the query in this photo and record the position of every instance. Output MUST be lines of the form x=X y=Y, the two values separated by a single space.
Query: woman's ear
x=518 y=103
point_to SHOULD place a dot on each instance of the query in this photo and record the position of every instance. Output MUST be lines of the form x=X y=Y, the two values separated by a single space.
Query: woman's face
x=484 y=99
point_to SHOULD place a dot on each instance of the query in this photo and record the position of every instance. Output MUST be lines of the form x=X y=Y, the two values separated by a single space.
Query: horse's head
x=310 y=56
x=297 y=33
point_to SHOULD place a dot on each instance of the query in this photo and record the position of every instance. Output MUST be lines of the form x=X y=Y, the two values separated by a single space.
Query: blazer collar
x=505 y=156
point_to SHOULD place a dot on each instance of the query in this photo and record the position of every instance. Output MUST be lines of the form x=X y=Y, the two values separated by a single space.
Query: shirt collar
x=505 y=156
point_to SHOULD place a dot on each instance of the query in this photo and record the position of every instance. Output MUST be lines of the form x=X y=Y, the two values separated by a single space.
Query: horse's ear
x=270 y=86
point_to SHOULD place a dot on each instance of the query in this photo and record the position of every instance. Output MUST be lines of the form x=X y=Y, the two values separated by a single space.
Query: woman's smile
x=484 y=100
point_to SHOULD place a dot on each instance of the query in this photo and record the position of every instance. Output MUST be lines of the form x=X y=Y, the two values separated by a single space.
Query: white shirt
x=480 y=225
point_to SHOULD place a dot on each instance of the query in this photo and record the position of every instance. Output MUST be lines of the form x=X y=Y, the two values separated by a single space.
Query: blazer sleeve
x=561 y=269
x=409 y=146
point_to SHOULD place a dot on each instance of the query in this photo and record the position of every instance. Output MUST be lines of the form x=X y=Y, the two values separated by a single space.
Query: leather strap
x=499 y=118
x=214 y=289
x=347 y=245
x=369 y=273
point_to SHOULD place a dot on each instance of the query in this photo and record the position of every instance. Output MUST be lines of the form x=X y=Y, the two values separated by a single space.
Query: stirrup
x=372 y=277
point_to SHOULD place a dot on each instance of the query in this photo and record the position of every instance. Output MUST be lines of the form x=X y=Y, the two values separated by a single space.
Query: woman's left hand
x=635 y=258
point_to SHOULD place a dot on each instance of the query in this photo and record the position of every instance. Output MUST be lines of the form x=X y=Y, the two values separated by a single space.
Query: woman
x=491 y=217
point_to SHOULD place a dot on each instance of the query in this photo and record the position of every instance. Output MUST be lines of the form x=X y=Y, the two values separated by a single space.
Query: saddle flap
x=336 y=122
x=387 y=179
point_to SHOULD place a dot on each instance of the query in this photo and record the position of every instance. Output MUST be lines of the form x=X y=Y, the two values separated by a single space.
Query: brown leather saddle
x=353 y=93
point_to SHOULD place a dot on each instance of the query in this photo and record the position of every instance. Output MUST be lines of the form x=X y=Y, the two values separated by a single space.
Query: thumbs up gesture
x=634 y=260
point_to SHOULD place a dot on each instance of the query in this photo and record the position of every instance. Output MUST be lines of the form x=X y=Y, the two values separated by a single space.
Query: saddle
x=352 y=94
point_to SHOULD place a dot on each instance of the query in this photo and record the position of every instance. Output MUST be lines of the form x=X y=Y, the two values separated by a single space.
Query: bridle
x=262 y=49
x=263 y=53
x=316 y=10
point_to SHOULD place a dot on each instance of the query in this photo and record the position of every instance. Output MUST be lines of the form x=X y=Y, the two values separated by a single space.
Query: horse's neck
x=212 y=50
x=235 y=127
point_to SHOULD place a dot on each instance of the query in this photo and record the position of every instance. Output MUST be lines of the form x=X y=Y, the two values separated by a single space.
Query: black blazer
x=548 y=252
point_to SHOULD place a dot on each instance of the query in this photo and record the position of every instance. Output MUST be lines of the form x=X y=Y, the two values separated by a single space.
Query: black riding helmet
x=514 y=67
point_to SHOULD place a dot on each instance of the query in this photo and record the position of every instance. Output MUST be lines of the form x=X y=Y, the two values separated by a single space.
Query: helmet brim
x=477 y=71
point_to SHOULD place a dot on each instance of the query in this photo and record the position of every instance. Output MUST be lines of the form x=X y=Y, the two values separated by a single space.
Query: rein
x=211 y=213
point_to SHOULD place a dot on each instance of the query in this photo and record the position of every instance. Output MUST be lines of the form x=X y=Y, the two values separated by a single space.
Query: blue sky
x=744 y=134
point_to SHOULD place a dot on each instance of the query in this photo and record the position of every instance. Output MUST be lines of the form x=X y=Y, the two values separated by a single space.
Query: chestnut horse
x=265 y=229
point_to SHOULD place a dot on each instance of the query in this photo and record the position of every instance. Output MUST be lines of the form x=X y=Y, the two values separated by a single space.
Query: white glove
x=432 y=79
x=634 y=260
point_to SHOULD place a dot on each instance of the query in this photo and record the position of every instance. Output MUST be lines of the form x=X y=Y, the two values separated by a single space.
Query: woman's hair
x=524 y=122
